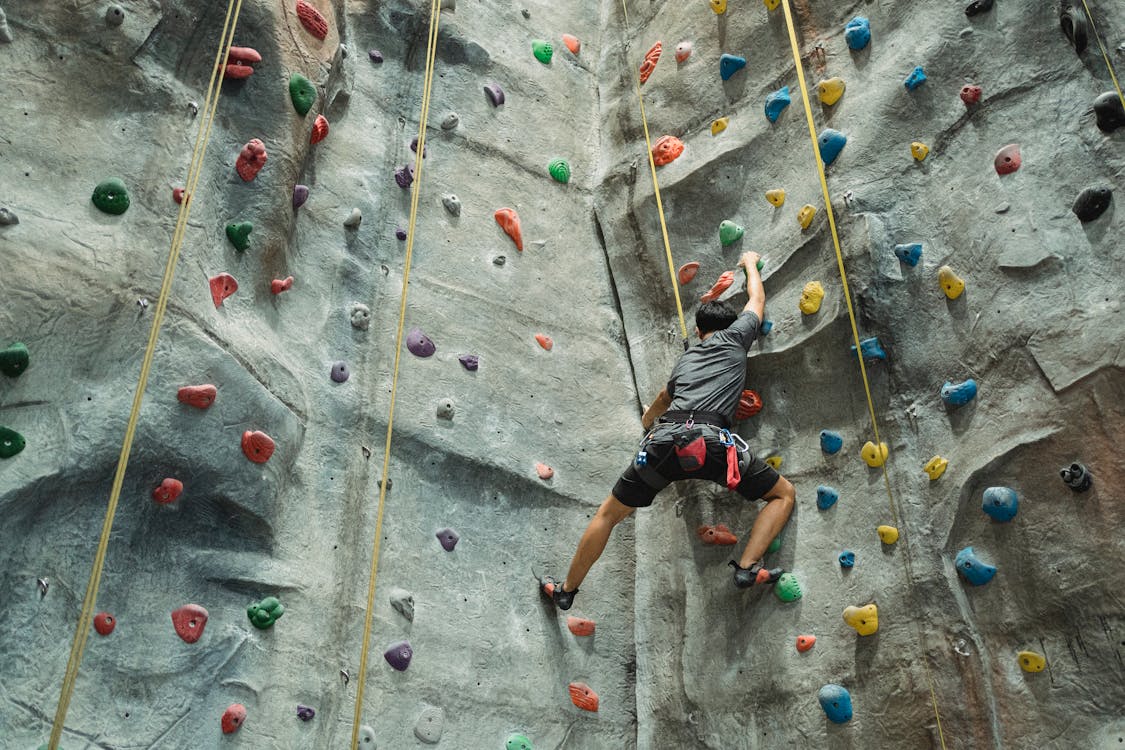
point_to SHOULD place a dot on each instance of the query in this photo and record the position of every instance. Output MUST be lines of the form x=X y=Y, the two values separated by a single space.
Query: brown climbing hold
x=258 y=446
x=805 y=642
x=104 y=623
x=189 y=622
x=312 y=20
x=718 y=535
x=509 y=221
x=277 y=286
x=721 y=285
x=544 y=471
x=168 y=491
x=239 y=62
x=544 y=341
x=572 y=43
x=651 y=58
x=687 y=272
x=251 y=159
x=199 y=396
x=178 y=194
x=666 y=150
x=580 y=626
x=749 y=404
x=319 y=129
x=582 y=696
x=222 y=286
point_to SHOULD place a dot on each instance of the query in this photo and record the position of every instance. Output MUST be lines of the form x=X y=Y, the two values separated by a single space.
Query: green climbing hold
x=787 y=588
x=11 y=442
x=265 y=613
x=239 y=234
x=775 y=545
x=542 y=51
x=517 y=742
x=560 y=170
x=729 y=233
x=14 y=360
x=111 y=196
x=302 y=92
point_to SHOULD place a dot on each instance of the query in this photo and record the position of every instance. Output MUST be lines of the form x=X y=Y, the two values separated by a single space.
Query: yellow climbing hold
x=719 y=125
x=874 y=457
x=811 y=297
x=935 y=467
x=774 y=462
x=887 y=534
x=772 y=4
x=919 y=150
x=776 y=197
x=950 y=282
x=719 y=6
x=805 y=215
x=830 y=90
x=865 y=620
x=1032 y=662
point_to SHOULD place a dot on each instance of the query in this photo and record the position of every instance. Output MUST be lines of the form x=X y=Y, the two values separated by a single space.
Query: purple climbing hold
x=495 y=93
x=400 y=233
x=375 y=55
x=448 y=539
x=340 y=372
x=404 y=176
x=414 y=147
x=398 y=655
x=305 y=713
x=419 y=343
x=469 y=361
x=300 y=195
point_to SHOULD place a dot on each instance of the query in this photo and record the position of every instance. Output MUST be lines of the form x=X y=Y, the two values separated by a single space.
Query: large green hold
x=302 y=92
x=787 y=588
x=730 y=233
x=239 y=234
x=560 y=170
x=542 y=50
x=265 y=613
x=517 y=742
x=11 y=442
x=111 y=196
x=14 y=360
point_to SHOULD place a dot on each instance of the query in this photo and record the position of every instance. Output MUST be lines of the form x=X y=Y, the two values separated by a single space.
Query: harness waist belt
x=697 y=416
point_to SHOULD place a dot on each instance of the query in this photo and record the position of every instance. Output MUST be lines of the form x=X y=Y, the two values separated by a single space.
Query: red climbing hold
x=312 y=20
x=319 y=130
x=104 y=623
x=583 y=697
x=718 y=534
x=199 y=396
x=509 y=221
x=970 y=94
x=251 y=159
x=805 y=642
x=233 y=718
x=189 y=622
x=749 y=404
x=651 y=58
x=168 y=491
x=1008 y=159
x=239 y=62
x=544 y=471
x=178 y=195
x=723 y=283
x=222 y=286
x=544 y=341
x=580 y=626
x=277 y=286
x=666 y=150
x=687 y=272
x=258 y=446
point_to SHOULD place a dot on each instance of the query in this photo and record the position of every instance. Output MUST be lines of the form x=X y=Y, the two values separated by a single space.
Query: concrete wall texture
x=680 y=659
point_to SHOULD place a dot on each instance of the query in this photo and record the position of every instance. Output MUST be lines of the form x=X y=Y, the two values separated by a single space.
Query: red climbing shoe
x=553 y=590
x=744 y=578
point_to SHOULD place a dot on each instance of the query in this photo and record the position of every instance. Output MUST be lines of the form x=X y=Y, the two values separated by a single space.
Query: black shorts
x=638 y=485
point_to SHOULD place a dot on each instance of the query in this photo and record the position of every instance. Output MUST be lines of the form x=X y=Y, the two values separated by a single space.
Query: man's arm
x=659 y=406
x=756 y=293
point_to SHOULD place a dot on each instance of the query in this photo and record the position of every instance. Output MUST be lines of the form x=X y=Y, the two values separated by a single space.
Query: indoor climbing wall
x=970 y=149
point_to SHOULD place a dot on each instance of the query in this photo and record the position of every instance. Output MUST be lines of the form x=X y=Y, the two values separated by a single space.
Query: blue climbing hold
x=776 y=102
x=836 y=702
x=958 y=394
x=729 y=65
x=972 y=569
x=1002 y=503
x=871 y=348
x=857 y=33
x=847 y=559
x=831 y=143
x=916 y=78
x=909 y=254
x=765 y=327
x=831 y=442
x=826 y=496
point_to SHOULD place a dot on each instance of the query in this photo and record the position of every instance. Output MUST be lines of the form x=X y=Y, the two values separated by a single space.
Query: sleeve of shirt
x=745 y=329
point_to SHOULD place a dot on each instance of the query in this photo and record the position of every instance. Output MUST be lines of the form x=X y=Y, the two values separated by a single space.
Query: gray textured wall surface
x=680 y=658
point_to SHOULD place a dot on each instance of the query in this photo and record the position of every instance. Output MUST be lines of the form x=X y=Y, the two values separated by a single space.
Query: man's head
x=713 y=316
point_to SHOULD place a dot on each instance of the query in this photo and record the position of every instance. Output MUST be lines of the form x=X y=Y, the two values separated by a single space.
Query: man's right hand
x=749 y=260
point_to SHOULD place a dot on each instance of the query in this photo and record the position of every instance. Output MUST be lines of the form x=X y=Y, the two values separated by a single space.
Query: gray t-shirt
x=710 y=375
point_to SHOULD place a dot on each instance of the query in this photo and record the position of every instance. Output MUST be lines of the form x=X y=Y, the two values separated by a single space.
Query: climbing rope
x=1105 y=55
x=855 y=333
x=659 y=201
x=78 y=646
x=423 y=117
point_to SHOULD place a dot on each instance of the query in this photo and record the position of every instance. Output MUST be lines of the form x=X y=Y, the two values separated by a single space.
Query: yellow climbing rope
x=82 y=632
x=659 y=201
x=855 y=330
x=427 y=85
x=1105 y=55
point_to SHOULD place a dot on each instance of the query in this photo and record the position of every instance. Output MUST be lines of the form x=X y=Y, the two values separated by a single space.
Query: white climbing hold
x=354 y=218
x=430 y=725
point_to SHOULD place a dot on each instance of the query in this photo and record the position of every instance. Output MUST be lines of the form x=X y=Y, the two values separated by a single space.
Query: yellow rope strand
x=427 y=85
x=82 y=632
x=1105 y=55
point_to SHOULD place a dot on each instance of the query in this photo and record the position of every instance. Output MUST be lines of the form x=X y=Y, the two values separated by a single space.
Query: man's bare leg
x=770 y=521
x=611 y=512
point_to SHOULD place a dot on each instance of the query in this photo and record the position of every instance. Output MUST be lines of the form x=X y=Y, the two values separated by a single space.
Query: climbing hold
x=240 y=62
x=870 y=348
x=398 y=655
x=772 y=4
x=312 y=20
x=830 y=90
x=168 y=491
x=305 y=713
x=846 y=559
x=887 y=534
x=572 y=43
x=864 y=619
x=1077 y=477
x=749 y=404
x=403 y=602
x=958 y=394
x=8 y=217
x=831 y=442
x=366 y=736
x=251 y=160
x=446 y=409
x=765 y=327
x=909 y=254
x=977 y=7
x=257 y=446
x=776 y=102
x=448 y=539
x=836 y=702
x=14 y=359
x=452 y=204
x=916 y=78
x=509 y=221
x=319 y=129
x=111 y=196
x=234 y=715
x=360 y=317
x=666 y=150
x=580 y=626
x=805 y=642
x=805 y=215
x=495 y=93
x=857 y=33
x=1001 y=503
x=339 y=372
x=826 y=496
x=719 y=535
x=239 y=234
x=811 y=297
x=560 y=170
x=419 y=344
x=729 y=65
x=580 y=693
x=300 y=195
x=222 y=286
x=199 y=396
x=776 y=197
x=375 y=56
x=951 y=283
x=265 y=613
x=400 y=233
x=874 y=456
x=430 y=725
x=1091 y=203
x=543 y=50
x=719 y=125
x=919 y=151
x=729 y=232
x=1073 y=23
x=115 y=16
x=774 y=545
x=726 y=278
x=517 y=742
x=971 y=94
x=787 y=588
x=1031 y=661
x=774 y=462
x=544 y=341
x=935 y=467
x=683 y=51
x=469 y=361
x=450 y=121
x=831 y=143
x=719 y=6
x=1008 y=159
x=1109 y=113
x=104 y=623
x=972 y=569
x=687 y=272
x=649 y=63
x=189 y=622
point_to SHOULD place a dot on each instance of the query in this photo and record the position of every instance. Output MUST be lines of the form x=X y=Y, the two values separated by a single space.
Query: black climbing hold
x=1077 y=477
x=1073 y=23
x=1092 y=203
x=1109 y=112
x=977 y=7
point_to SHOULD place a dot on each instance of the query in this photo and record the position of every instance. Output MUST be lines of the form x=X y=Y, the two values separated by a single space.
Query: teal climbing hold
x=560 y=170
x=14 y=359
x=776 y=102
x=517 y=742
x=836 y=702
x=871 y=348
x=543 y=50
x=729 y=232
x=1001 y=503
x=826 y=496
x=239 y=234
x=265 y=613
x=302 y=92
x=916 y=78
x=857 y=33
x=972 y=569
x=909 y=254
x=831 y=441
x=11 y=442
x=831 y=142
x=111 y=196
x=729 y=65
x=787 y=588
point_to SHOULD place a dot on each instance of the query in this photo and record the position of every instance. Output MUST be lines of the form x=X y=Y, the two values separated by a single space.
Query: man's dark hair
x=714 y=316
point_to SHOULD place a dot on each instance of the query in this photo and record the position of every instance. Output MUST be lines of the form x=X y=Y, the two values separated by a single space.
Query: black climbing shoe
x=1073 y=22
x=553 y=590
x=744 y=578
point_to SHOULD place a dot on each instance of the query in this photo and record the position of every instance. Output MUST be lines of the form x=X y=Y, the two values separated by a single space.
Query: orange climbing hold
x=544 y=471
x=572 y=43
x=199 y=396
x=805 y=642
x=718 y=534
x=651 y=58
x=240 y=62
x=222 y=286
x=580 y=626
x=583 y=697
x=544 y=341
x=666 y=150
x=251 y=159
x=319 y=130
x=749 y=404
x=687 y=272
x=277 y=286
x=312 y=20
x=258 y=446
x=509 y=221
x=724 y=282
